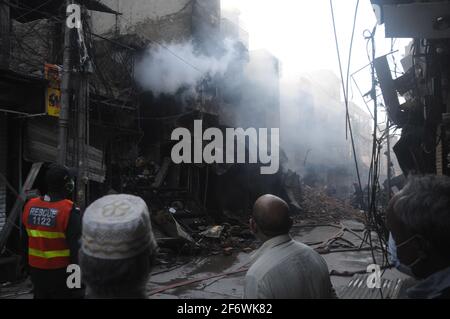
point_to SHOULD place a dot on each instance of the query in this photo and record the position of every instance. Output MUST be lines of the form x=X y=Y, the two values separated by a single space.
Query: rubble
x=293 y=189
x=318 y=206
x=228 y=251
x=207 y=238
x=212 y=232
x=169 y=226
x=191 y=231
x=232 y=238
x=231 y=234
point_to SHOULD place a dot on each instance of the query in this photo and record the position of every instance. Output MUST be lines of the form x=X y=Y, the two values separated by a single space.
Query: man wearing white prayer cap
x=117 y=247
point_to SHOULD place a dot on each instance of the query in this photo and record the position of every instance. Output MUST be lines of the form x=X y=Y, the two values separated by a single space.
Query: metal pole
x=65 y=94
x=81 y=140
x=5 y=30
x=388 y=154
x=82 y=127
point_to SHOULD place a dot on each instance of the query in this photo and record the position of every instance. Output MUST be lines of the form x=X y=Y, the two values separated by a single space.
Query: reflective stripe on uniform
x=45 y=234
x=49 y=253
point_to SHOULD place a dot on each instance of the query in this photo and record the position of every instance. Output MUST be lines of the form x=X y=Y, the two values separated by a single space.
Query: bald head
x=271 y=215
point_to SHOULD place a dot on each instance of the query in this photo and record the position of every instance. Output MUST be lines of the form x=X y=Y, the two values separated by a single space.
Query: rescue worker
x=53 y=229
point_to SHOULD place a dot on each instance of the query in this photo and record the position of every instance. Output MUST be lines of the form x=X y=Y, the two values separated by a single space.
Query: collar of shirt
x=431 y=287
x=271 y=243
x=48 y=198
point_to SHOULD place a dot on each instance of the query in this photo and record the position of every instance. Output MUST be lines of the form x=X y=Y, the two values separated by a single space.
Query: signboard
x=53 y=95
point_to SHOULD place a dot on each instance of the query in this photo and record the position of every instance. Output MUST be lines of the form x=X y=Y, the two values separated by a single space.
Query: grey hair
x=423 y=206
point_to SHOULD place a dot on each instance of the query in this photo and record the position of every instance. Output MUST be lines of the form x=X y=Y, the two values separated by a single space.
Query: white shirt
x=286 y=269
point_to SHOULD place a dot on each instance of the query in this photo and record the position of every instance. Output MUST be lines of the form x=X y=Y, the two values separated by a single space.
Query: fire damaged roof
x=30 y=10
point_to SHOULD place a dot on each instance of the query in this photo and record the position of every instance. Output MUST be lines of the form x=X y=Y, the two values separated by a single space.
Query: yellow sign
x=53 y=96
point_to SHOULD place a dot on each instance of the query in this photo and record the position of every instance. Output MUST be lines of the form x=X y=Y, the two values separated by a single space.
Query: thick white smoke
x=167 y=68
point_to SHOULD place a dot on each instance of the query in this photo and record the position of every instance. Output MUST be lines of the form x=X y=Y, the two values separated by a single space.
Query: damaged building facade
x=118 y=124
x=107 y=96
x=313 y=107
x=422 y=113
x=188 y=38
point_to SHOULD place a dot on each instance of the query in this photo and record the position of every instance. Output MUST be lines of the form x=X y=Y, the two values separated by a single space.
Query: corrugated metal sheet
x=357 y=288
x=3 y=151
x=41 y=146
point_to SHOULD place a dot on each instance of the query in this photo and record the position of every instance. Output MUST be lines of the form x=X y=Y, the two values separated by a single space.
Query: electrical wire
x=344 y=88
x=349 y=60
x=49 y=16
x=373 y=219
x=174 y=54
x=374 y=216
x=33 y=10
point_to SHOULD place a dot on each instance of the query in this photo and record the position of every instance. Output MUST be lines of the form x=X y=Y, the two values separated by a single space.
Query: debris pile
x=318 y=206
x=200 y=235
x=226 y=239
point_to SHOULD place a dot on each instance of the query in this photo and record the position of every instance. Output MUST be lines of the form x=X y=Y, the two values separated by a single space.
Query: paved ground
x=231 y=286
x=202 y=277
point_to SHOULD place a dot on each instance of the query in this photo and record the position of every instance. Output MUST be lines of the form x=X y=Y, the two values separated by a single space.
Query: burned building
x=166 y=100
x=122 y=106
x=30 y=85
x=207 y=62
x=422 y=113
x=320 y=152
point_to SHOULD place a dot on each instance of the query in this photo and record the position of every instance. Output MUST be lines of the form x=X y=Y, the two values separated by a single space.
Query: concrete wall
x=362 y=126
x=229 y=29
x=260 y=104
x=230 y=26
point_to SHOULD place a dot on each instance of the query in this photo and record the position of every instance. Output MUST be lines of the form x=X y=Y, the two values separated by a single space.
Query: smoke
x=166 y=68
x=313 y=130
x=307 y=107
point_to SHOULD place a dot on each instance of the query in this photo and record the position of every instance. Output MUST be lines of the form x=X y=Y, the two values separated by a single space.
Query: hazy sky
x=300 y=34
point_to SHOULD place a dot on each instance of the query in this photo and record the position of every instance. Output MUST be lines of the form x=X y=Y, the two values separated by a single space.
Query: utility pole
x=80 y=103
x=388 y=155
x=82 y=148
x=65 y=93
x=5 y=31
x=84 y=69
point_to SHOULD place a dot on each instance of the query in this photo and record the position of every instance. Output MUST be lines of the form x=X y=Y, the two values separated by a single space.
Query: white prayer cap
x=117 y=227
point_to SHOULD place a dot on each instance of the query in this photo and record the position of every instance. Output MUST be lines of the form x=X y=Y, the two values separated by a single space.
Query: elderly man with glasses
x=418 y=218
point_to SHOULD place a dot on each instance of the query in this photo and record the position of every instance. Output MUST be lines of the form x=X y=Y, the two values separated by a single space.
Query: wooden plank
x=17 y=208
